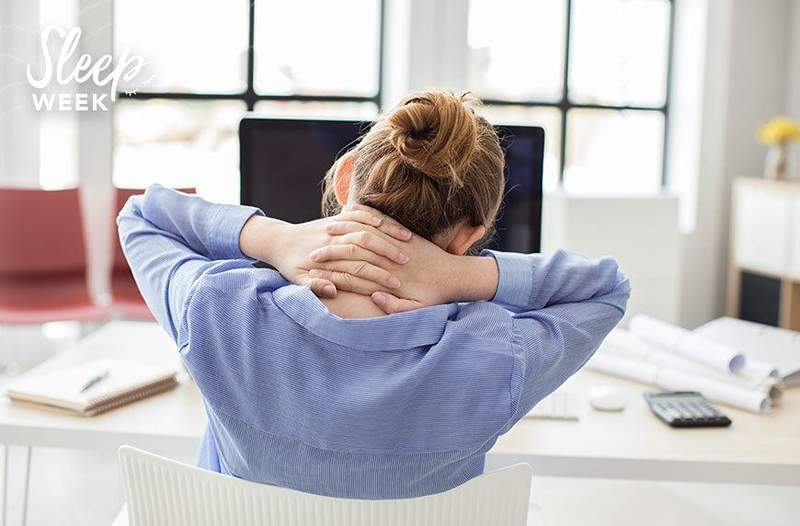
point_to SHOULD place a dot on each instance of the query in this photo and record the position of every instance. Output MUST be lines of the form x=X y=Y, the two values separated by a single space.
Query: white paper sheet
x=685 y=343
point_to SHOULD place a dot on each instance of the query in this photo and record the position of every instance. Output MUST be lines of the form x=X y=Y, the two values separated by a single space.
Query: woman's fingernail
x=380 y=299
x=394 y=282
x=376 y=220
x=330 y=290
x=313 y=257
x=402 y=259
x=406 y=234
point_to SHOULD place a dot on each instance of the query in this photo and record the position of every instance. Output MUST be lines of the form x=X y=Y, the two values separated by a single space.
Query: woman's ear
x=465 y=236
x=341 y=178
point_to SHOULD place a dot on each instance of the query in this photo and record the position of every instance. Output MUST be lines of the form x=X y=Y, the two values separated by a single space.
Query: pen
x=94 y=380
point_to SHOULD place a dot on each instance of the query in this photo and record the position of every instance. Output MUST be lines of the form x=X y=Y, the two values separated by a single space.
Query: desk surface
x=170 y=423
x=634 y=444
x=761 y=449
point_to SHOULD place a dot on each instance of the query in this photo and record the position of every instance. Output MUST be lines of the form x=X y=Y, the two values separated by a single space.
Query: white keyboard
x=560 y=405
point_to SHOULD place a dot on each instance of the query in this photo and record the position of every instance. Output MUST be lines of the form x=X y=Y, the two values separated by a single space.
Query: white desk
x=169 y=424
x=634 y=444
x=758 y=449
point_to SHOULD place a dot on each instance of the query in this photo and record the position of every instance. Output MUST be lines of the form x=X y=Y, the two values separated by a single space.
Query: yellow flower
x=779 y=130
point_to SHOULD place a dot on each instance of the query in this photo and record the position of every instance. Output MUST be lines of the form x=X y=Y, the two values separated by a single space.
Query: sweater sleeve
x=170 y=240
x=563 y=306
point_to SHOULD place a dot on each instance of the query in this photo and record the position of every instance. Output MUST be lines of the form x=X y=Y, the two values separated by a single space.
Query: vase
x=776 y=163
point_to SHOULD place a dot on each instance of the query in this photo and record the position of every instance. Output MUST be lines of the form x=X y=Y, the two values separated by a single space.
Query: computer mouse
x=605 y=398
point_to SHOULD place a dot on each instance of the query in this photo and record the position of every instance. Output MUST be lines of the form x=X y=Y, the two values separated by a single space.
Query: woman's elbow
x=129 y=219
x=618 y=289
x=131 y=210
x=622 y=292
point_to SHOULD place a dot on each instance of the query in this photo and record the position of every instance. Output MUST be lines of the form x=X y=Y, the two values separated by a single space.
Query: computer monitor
x=283 y=161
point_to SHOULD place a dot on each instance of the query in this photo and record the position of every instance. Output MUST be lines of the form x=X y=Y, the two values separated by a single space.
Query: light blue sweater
x=395 y=406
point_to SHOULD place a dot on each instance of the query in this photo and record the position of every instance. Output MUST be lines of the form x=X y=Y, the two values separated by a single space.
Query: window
x=593 y=73
x=209 y=62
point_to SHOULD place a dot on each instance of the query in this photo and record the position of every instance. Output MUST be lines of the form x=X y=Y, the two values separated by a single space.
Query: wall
x=640 y=232
x=703 y=251
x=19 y=128
x=793 y=80
x=745 y=84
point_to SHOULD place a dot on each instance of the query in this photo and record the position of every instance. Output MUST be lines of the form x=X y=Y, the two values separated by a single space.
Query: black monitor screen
x=283 y=161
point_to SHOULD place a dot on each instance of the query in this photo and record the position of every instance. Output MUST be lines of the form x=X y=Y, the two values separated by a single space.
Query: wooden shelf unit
x=765 y=242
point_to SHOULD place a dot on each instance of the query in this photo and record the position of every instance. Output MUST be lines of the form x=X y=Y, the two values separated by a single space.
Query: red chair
x=43 y=259
x=126 y=298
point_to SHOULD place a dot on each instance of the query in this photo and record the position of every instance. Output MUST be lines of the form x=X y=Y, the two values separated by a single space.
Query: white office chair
x=161 y=491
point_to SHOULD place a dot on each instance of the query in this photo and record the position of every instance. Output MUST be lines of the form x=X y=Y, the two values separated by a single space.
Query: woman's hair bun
x=435 y=133
x=431 y=163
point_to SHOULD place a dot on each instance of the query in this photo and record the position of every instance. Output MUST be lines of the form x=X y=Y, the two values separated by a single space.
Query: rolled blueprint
x=628 y=345
x=604 y=362
x=680 y=341
x=677 y=380
x=674 y=380
x=757 y=370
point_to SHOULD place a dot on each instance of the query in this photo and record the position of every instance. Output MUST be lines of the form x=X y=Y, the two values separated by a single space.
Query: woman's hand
x=431 y=276
x=286 y=247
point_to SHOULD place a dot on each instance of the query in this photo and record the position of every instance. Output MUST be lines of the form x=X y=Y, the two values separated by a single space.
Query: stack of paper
x=768 y=345
x=671 y=358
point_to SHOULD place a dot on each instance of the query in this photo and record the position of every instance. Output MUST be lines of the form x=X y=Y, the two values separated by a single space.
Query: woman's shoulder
x=481 y=319
x=236 y=276
x=232 y=285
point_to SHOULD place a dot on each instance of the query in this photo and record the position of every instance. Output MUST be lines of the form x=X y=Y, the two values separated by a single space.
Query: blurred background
x=648 y=105
x=651 y=110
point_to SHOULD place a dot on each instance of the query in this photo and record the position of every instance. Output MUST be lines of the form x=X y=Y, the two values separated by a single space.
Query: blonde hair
x=430 y=164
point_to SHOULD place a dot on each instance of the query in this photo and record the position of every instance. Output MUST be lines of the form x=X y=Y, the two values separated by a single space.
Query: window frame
x=564 y=104
x=250 y=97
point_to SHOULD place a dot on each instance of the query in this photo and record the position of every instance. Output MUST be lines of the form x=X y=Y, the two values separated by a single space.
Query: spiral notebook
x=92 y=388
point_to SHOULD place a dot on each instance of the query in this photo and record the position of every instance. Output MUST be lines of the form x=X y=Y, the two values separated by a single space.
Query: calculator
x=685 y=409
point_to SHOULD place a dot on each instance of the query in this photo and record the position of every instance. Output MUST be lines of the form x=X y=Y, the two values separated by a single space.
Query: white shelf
x=766 y=227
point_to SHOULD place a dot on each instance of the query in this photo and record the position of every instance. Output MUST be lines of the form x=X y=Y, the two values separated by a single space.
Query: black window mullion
x=250 y=92
x=571 y=105
x=564 y=104
x=250 y=97
x=670 y=55
x=381 y=48
x=146 y=95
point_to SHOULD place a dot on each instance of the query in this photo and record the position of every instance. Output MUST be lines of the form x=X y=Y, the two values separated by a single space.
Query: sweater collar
x=417 y=328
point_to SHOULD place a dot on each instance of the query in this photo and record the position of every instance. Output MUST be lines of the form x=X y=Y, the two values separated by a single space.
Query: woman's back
x=395 y=406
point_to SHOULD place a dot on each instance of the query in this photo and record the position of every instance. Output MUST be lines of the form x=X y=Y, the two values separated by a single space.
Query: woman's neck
x=350 y=305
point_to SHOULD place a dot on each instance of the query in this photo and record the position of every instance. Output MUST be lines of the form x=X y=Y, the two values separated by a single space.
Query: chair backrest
x=41 y=232
x=162 y=491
